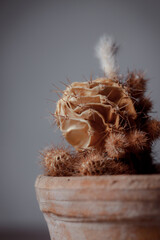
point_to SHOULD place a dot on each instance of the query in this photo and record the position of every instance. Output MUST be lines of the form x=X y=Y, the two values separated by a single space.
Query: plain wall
x=44 y=42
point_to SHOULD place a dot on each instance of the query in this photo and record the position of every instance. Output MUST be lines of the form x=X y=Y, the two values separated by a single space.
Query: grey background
x=44 y=42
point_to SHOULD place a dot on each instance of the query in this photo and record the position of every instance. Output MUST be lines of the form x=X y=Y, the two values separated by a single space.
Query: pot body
x=122 y=207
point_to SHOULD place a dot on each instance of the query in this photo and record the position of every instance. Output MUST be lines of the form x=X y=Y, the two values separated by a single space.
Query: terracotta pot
x=122 y=207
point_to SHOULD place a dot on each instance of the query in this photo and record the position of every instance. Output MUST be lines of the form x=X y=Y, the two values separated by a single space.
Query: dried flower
x=88 y=111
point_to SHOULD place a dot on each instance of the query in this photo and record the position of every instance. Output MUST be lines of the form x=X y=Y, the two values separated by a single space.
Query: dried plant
x=106 y=121
x=152 y=127
x=136 y=84
x=96 y=164
x=143 y=105
x=137 y=141
x=57 y=161
x=116 y=145
x=92 y=164
x=88 y=111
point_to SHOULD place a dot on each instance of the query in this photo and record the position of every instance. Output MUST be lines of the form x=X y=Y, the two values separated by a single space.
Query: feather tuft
x=106 y=50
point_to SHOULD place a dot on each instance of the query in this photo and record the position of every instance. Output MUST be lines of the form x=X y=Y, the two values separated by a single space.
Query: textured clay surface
x=104 y=207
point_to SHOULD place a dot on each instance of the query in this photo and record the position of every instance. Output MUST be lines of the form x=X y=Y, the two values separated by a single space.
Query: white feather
x=106 y=50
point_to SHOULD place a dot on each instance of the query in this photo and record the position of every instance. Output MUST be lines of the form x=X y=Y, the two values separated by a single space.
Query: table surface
x=8 y=234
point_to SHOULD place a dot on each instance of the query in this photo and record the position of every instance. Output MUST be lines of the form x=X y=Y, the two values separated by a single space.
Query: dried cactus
x=57 y=161
x=92 y=164
x=152 y=127
x=95 y=164
x=137 y=141
x=136 y=84
x=116 y=145
x=108 y=120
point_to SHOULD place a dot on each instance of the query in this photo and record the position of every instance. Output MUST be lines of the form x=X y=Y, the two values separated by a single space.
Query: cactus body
x=96 y=164
x=106 y=121
x=92 y=164
x=57 y=162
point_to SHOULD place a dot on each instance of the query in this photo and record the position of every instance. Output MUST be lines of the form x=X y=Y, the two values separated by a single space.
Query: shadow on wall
x=24 y=234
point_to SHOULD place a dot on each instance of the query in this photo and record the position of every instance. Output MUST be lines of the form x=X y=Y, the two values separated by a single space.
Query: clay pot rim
x=149 y=181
